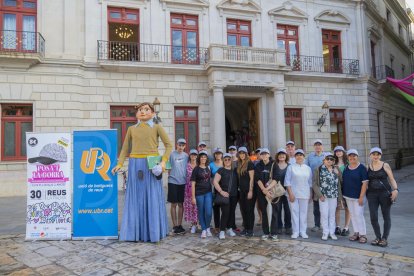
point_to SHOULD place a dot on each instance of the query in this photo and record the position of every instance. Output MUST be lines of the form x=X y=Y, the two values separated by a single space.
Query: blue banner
x=95 y=189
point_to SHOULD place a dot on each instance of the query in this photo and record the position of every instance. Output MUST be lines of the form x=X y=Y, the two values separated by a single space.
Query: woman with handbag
x=382 y=191
x=327 y=180
x=214 y=167
x=341 y=161
x=263 y=179
x=225 y=183
x=201 y=191
x=279 y=173
x=190 y=210
x=245 y=175
x=298 y=181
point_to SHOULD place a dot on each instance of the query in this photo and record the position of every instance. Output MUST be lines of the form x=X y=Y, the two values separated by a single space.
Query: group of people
x=202 y=186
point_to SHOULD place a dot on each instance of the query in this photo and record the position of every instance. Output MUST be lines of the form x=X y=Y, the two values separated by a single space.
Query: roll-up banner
x=95 y=189
x=49 y=206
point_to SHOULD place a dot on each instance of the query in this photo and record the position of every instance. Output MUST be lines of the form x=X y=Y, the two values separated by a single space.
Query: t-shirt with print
x=178 y=168
x=262 y=172
x=224 y=182
x=244 y=178
x=328 y=182
x=201 y=176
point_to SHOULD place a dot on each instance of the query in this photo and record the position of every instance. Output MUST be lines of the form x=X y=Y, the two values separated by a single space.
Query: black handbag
x=221 y=200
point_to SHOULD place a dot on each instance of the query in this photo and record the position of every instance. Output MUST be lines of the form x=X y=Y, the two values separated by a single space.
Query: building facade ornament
x=240 y=6
x=288 y=11
x=332 y=17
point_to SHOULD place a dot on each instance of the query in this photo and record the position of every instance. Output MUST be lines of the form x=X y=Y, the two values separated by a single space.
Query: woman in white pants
x=327 y=189
x=298 y=182
x=355 y=182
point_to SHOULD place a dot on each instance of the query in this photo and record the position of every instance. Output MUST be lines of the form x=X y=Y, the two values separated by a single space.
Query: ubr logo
x=89 y=162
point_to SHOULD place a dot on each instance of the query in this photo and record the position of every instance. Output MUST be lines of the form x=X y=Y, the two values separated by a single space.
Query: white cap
x=352 y=151
x=328 y=154
x=217 y=150
x=202 y=143
x=281 y=150
x=290 y=143
x=375 y=149
x=194 y=151
x=242 y=149
x=232 y=148
x=228 y=155
x=317 y=141
x=181 y=141
x=299 y=151
x=203 y=152
x=339 y=148
x=157 y=170
x=264 y=150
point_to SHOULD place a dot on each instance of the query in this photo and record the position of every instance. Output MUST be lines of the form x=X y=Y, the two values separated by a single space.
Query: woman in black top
x=262 y=177
x=225 y=183
x=279 y=173
x=381 y=192
x=201 y=190
x=245 y=175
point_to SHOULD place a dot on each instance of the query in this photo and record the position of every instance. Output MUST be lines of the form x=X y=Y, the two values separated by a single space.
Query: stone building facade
x=223 y=70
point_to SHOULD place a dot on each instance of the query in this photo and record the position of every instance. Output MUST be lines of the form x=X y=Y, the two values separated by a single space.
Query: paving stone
x=189 y=265
x=276 y=264
x=238 y=265
x=256 y=260
x=116 y=266
x=98 y=272
x=52 y=270
x=237 y=273
x=23 y=272
x=208 y=257
x=191 y=253
x=235 y=255
x=352 y=271
x=254 y=269
x=222 y=261
x=327 y=272
x=210 y=269
x=33 y=260
x=51 y=251
x=6 y=259
x=300 y=269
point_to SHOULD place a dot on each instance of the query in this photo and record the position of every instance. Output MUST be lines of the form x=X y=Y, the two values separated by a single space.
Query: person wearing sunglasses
x=327 y=189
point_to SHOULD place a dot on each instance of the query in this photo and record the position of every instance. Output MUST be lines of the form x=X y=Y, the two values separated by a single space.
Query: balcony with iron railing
x=382 y=72
x=323 y=65
x=18 y=48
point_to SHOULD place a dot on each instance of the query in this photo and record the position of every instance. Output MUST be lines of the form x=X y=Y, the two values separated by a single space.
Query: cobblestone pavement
x=189 y=255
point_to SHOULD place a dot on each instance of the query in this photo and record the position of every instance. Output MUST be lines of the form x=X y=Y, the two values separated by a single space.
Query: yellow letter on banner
x=89 y=160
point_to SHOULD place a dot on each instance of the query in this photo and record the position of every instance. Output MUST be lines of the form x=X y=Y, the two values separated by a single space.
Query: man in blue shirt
x=314 y=160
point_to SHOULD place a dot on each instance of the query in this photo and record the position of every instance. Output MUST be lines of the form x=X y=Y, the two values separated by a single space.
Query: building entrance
x=242 y=122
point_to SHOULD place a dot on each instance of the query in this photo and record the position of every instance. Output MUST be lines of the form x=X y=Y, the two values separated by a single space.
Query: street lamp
x=157 y=104
x=322 y=119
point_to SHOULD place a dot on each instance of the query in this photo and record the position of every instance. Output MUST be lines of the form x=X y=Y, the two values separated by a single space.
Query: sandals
x=375 y=242
x=354 y=237
x=363 y=239
x=383 y=243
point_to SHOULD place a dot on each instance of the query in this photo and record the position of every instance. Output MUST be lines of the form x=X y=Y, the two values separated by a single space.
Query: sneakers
x=315 y=229
x=243 y=233
x=230 y=232
x=265 y=237
x=280 y=231
x=193 y=229
x=249 y=234
x=304 y=235
x=345 y=232
x=338 y=231
x=179 y=230
x=222 y=235
x=209 y=232
x=274 y=238
x=294 y=235
x=334 y=237
x=288 y=231
x=324 y=237
x=203 y=234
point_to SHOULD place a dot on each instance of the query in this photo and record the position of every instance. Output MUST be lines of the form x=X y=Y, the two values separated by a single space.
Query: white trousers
x=357 y=215
x=299 y=213
x=328 y=210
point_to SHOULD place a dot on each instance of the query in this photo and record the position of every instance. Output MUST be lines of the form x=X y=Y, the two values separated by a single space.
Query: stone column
x=219 y=118
x=279 y=134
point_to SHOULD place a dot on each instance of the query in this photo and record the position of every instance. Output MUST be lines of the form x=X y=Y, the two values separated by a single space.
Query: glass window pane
x=191 y=22
x=177 y=38
x=179 y=130
x=25 y=127
x=10 y=139
x=291 y=32
x=116 y=112
x=192 y=135
x=335 y=37
x=29 y=35
x=131 y=112
x=10 y=3
x=176 y=21
x=244 y=27
x=297 y=133
x=341 y=133
x=281 y=44
x=292 y=48
x=118 y=127
x=115 y=15
x=179 y=113
x=231 y=40
x=280 y=31
x=231 y=26
x=191 y=39
x=29 y=5
x=132 y=16
x=335 y=52
x=245 y=41
x=192 y=113
x=9 y=38
x=287 y=131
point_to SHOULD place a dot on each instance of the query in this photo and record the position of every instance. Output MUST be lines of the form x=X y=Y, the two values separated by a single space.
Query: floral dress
x=329 y=183
x=190 y=210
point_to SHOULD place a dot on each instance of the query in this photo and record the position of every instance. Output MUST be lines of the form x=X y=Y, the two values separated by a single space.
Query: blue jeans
x=204 y=209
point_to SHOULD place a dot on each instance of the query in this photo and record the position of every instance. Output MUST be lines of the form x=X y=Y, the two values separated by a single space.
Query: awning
x=405 y=87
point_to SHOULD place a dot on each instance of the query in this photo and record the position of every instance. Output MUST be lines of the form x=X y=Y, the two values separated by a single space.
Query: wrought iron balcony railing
x=140 y=52
x=21 y=42
x=323 y=65
x=382 y=72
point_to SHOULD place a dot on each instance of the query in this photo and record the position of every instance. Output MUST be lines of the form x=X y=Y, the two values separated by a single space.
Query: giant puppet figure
x=144 y=217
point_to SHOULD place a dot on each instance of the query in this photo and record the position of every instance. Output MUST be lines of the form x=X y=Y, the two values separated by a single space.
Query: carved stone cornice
x=289 y=11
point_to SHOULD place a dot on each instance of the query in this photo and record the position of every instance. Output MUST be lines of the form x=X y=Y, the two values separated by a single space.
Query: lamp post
x=321 y=121
x=157 y=104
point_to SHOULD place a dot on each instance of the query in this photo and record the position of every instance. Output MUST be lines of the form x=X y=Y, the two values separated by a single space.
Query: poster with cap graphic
x=49 y=203
x=95 y=189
